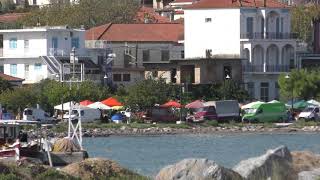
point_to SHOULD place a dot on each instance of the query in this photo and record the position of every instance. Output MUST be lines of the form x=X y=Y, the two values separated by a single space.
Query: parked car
x=37 y=114
x=202 y=114
x=266 y=112
x=310 y=113
x=86 y=114
x=160 y=114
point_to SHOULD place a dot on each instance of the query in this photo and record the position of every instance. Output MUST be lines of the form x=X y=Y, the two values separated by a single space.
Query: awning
x=111 y=102
x=86 y=102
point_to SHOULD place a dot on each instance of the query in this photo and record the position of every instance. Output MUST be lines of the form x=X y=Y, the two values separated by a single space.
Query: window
x=165 y=55
x=37 y=66
x=75 y=42
x=34 y=2
x=13 y=70
x=208 y=20
x=117 y=77
x=249 y=27
x=208 y=53
x=54 y=43
x=26 y=70
x=1 y=69
x=281 y=24
x=145 y=55
x=100 y=60
x=251 y=90
x=13 y=43
x=227 y=72
x=126 y=77
x=182 y=54
x=26 y=44
x=277 y=95
x=264 y=91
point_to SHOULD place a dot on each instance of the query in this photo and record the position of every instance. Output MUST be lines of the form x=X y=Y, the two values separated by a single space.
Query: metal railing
x=265 y=68
x=96 y=44
x=268 y=35
x=57 y=52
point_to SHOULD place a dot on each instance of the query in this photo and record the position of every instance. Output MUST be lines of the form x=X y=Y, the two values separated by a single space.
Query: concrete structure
x=136 y=46
x=25 y=53
x=256 y=31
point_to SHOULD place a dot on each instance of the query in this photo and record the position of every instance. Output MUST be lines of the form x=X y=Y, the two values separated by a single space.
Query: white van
x=37 y=114
x=310 y=113
x=87 y=114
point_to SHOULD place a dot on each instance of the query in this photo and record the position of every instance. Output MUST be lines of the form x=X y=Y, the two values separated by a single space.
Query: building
x=14 y=81
x=37 y=53
x=41 y=3
x=139 y=48
x=254 y=31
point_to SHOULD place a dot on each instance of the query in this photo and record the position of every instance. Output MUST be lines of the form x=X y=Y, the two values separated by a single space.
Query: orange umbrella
x=86 y=102
x=171 y=103
x=111 y=102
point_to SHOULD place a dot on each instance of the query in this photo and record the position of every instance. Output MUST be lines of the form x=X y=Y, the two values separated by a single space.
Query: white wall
x=222 y=35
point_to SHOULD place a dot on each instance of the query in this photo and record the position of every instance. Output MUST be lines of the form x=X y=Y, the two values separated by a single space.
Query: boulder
x=97 y=168
x=309 y=175
x=276 y=164
x=305 y=161
x=197 y=169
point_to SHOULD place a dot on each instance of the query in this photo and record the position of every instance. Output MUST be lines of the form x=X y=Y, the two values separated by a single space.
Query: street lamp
x=224 y=85
x=288 y=77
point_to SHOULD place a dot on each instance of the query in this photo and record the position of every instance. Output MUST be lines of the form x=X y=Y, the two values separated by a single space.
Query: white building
x=141 y=49
x=25 y=53
x=42 y=3
x=257 y=31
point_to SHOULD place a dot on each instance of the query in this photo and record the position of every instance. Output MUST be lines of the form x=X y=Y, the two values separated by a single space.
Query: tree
x=232 y=90
x=4 y=85
x=149 y=92
x=301 y=21
x=89 y=13
x=304 y=84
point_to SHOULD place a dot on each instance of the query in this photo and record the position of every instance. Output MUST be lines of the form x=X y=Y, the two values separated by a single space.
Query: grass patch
x=302 y=123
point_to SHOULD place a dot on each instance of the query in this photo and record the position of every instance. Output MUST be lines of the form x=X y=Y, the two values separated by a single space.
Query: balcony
x=268 y=35
x=265 y=68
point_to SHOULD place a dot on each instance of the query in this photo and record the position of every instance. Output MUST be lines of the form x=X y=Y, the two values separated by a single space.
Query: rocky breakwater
x=275 y=164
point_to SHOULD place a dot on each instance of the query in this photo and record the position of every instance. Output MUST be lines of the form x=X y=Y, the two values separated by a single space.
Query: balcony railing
x=57 y=52
x=96 y=44
x=266 y=68
x=268 y=35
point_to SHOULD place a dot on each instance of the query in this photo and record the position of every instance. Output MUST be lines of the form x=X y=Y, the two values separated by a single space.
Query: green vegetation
x=304 y=83
x=303 y=123
x=89 y=13
x=4 y=85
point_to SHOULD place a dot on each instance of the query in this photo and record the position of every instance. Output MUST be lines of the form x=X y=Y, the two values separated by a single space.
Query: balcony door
x=249 y=27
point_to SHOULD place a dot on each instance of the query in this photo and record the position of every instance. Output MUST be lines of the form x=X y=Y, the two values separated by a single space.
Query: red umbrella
x=171 y=103
x=195 y=104
x=86 y=102
x=111 y=102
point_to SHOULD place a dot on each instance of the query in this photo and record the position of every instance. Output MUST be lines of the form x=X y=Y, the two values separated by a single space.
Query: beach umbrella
x=111 y=102
x=99 y=105
x=274 y=101
x=86 y=102
x=195 y=104
x=314 y=102
x=116 y=107
x=250 y=105
x=171 y=103
x=66 y=106
x=298 y=104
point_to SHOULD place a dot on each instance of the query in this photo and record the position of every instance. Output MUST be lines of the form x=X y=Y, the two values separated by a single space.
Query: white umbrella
x=66 y=106
x=98 y=105
x=314 y=102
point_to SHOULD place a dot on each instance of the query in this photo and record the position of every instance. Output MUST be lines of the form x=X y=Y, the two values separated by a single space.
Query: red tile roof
x=9 y=78
x=204 y=4
x=159 y=32
x=153 y=17
x=11 y=17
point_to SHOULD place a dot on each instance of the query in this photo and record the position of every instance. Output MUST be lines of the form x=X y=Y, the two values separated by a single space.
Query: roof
x=157 y=32
x=205 y=4
x=151 y=16
x=11 y=17
x=10 y=78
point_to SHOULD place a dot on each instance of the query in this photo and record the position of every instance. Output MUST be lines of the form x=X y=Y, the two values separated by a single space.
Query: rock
x=276 y=164
x=309 y=175
x=197 y=169
x=305 y=161
x=97 y=168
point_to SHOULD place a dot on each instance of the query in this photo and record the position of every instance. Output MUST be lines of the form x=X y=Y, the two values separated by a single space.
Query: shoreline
x=126 y=131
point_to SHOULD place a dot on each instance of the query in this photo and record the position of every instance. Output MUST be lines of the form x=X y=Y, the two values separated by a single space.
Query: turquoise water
x=147 y=155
